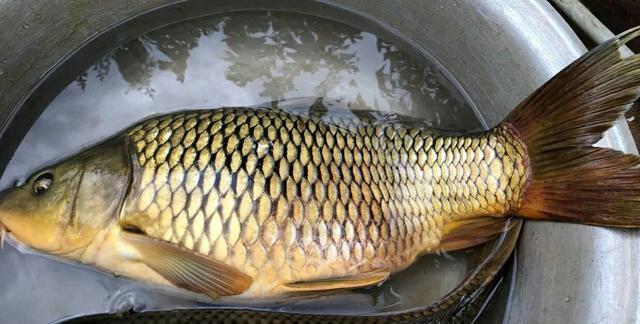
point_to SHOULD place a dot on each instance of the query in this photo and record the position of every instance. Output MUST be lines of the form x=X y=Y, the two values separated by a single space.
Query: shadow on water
x=137 y=63
x=274 y=51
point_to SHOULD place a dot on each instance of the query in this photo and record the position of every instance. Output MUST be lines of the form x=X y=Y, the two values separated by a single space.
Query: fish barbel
x=260 y=202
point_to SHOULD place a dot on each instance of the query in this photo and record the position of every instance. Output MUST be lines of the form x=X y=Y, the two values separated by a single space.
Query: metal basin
x=499 y=51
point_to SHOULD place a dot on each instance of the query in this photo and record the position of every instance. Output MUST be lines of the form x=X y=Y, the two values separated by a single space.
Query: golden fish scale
x=286 y=198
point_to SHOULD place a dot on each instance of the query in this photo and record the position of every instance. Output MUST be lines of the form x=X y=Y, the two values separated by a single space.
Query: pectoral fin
x=188 y=269
x=471 y=232
x=347 y=282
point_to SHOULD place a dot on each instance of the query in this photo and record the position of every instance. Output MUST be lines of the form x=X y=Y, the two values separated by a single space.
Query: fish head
x=60 y=209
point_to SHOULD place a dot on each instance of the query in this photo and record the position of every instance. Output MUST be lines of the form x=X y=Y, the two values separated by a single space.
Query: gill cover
x=61 y=208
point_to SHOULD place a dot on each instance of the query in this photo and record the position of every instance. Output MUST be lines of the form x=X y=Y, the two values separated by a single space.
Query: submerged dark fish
x=257 y=202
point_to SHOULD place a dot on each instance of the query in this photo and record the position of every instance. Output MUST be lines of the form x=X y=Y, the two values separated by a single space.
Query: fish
x=252 y=202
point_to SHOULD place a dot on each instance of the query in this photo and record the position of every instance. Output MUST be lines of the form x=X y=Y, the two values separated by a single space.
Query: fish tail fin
x=570 y=179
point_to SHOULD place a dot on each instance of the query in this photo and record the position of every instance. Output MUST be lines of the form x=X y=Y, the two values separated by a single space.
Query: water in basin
x=236 y=59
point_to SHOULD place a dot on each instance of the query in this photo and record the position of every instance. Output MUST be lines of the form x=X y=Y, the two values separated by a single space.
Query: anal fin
x=347 y=282
x=471 y=232
x=187 y=269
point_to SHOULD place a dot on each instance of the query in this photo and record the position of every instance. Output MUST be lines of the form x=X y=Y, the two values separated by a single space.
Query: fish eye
x=42 y=183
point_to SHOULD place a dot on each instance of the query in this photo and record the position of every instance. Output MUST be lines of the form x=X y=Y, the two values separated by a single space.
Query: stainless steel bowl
x=498 y=50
